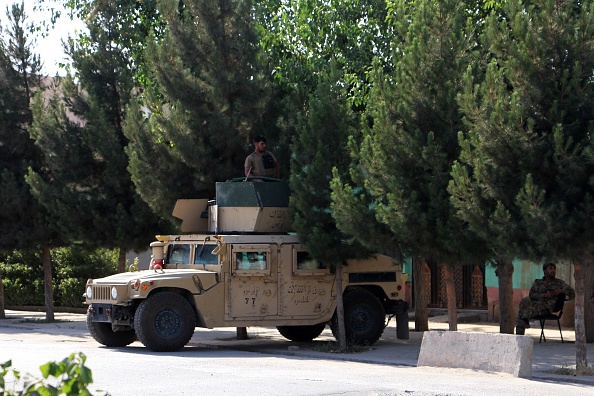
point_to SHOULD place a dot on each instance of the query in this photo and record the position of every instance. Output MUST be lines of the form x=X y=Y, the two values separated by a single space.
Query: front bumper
x=117 y=315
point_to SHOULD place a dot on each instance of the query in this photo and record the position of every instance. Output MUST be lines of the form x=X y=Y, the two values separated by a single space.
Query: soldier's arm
x=537 y=291
x=247 y=166
x=569 y=292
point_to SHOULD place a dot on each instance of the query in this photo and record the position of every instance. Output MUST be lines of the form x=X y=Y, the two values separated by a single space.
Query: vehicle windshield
x=203 y=254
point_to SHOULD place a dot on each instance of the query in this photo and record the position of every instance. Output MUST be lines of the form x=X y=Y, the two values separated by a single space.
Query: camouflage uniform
x=537 y=304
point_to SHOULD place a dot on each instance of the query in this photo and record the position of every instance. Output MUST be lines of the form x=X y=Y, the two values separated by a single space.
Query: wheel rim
x=359 y=319
x=167 y=323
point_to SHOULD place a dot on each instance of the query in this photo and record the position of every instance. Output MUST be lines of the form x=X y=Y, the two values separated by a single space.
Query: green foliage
x=208 y=99
x=69 y=376
x=312 y=163
x=86 y=181
x=409 y=140
x=137 y=20
x=22 y=220
x=524 y=176
x=73 y=266
x=22 y=275
x=300 y=38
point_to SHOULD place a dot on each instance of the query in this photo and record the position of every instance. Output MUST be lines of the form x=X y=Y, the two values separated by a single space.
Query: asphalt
x=548 y=358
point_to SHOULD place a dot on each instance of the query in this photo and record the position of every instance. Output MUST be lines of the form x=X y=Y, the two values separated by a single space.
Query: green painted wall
x=525 y=272
x=407 y=268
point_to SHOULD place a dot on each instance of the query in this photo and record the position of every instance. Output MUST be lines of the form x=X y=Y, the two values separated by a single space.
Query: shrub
x=69 y=377
x=22 y=274
x=73 y=266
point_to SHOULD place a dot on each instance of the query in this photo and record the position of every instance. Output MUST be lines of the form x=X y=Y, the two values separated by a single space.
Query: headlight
x=114 y=293
x=89 y=292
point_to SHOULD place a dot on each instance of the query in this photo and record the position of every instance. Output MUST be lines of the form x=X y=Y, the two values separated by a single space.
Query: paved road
x=268 y=364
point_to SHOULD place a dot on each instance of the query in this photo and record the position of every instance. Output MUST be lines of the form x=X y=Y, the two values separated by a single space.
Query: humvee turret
x=240 y=266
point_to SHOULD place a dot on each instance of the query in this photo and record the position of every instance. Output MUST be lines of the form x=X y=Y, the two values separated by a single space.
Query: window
x=203 y=255
x=304 y=264
x=178 y=254
x=304 y=261
x=250 y=261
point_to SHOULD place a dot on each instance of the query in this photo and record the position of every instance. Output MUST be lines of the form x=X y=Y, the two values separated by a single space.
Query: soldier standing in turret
x=544 y=296
x=261 y=162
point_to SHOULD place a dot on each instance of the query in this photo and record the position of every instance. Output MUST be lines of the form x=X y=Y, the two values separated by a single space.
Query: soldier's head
x=550 y=270
x=260 y=143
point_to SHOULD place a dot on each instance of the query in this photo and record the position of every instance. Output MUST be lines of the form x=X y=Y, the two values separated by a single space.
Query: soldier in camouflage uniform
x=544 y=296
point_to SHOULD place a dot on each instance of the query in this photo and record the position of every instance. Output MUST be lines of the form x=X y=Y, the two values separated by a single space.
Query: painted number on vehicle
x=250 y=295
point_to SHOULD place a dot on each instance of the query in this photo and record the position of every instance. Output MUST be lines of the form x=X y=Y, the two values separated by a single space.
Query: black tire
x=301 y=333
x=103 y=334
x=364 y=317
x=165 y=322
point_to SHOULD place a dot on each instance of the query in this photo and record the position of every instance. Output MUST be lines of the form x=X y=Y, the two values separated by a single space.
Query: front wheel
x=364 y=317
x=301 y=333
x=103 y=333
x=165 y=322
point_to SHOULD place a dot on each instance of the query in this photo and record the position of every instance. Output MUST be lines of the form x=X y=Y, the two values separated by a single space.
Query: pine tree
x=85 y=184
x=407 y=152
x=526 y=165
x=204 y=106
x=312 y=164
x=23 y=222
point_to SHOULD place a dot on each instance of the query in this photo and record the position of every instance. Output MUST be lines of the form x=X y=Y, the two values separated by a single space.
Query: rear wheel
x=165 y=322
x=301 y=333
x=103 y=334
x=364 y=317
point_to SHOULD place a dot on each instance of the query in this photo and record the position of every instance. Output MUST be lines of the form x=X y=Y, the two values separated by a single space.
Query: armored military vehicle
x=237 y=264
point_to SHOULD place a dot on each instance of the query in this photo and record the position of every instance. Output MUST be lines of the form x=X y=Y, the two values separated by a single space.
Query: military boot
x=521 y=326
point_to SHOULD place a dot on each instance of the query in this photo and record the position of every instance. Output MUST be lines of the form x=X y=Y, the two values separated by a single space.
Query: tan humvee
x=242 y=269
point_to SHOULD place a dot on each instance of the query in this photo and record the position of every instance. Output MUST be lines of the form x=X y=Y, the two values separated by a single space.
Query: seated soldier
x=543 y=297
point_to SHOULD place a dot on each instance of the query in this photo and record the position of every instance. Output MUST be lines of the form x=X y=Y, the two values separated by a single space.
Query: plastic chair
x=555 y=315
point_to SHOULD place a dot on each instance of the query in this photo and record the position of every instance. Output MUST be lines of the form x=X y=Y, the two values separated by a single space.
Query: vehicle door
x=253 y=282
x=306 y=286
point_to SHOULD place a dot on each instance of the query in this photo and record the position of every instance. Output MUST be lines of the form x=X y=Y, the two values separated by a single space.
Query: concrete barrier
x=503 y=353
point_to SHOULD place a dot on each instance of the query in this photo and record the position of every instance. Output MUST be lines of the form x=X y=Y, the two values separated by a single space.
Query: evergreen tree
x=300 y=38
x=206 y=103
x=524 y=175
x=23 y=222
x=407 y=152
x=312 y=163
x=85 y=184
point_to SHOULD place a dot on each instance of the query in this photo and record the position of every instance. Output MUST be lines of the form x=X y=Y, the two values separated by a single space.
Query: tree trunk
x=504 y=272
x=242 y=333
x=448 y=271
x=421 y=312
x=581 y=355
x=589 y=305
x=46 y=259
x=2 y=311
x=340 y=312
x=122 y=260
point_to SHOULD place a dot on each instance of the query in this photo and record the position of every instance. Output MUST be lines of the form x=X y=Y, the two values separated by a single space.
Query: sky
x=49 y=48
